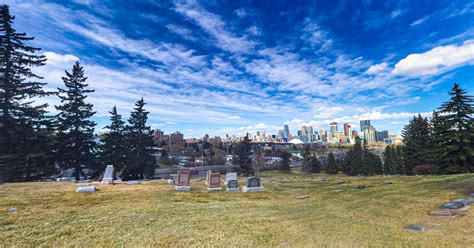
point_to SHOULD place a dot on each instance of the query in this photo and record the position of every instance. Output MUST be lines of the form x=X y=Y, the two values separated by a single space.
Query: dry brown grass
x=153 y=214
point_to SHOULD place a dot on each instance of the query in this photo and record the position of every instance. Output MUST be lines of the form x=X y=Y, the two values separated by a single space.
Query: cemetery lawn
x=153 y=214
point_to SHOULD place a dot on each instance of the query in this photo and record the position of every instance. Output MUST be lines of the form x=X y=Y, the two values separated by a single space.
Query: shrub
x=425 y=169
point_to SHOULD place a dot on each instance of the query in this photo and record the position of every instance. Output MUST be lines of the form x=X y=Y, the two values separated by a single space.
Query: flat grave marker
x=253 y=185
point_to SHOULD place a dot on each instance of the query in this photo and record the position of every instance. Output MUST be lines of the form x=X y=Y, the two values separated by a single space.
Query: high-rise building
x=159 y=134
x=364 y=124
x=286 y=133
x=354 y=134
x=382 y=135
x=370 y=134
x=176 y=138
x=333 y=129
x=280 y=135
x=347 y=129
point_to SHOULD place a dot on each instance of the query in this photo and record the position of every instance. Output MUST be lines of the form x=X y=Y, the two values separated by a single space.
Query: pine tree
x=367 y=160
x=454 y=132
x=113 y=147
x=331 y=166
x=140 y=162
x=417 y=143
x=354 y=163
x=306 y=160
x=314 y=164
x=285 y=162
x=389 y=163
x=75 y=138
x=242 y=153
x=25 y=130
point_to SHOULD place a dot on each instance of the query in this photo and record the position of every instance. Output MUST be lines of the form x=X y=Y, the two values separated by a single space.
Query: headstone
x=13 y=210
x=133 y=182
x=338 y=190
x=232 y=186
x=446 y=212
x=253 y=185
x=302 y=197
x=214 y=182
x=466 y=201
x=415 y=228
x=453 y=205
x=172 y=179
x=182 y=182
x=86 y=189
x=230 y=176
x=108 y=175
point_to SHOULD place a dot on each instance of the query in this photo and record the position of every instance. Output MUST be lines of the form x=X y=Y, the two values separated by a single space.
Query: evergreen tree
x=417 y=140
x=25 y=130
x=75 y=138
x=367 y=160
x=285 y=162
x=140 y=162
x=242 y=152
x=113 y=148
x=354 y=163
x=314 y=164
x=306 y=160
x=331 y=167
x=388 y=158
x=454 y=132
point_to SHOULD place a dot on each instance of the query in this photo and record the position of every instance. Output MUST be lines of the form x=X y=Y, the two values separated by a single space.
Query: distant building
x=364 y=124
x=382 y=135
x=333 y=128
x=347 y=129
x=286 y=133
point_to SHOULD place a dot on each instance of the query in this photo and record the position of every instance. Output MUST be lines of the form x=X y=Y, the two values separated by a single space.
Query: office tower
x=286 y=133
x=370 y=134
x=159 y=134
x=382 y=135
x=364 y=124
x=280 y=135
x=354 y=134
x=310 y=134
x=347 y=128
x=333 y=129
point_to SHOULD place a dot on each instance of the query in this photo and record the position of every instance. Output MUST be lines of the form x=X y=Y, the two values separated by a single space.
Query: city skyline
x=225 y=67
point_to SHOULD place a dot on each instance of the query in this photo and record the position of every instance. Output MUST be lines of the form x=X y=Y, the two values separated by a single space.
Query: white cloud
x=375 y=69
x=436 y=61
x=419 y=21
x=55 y=59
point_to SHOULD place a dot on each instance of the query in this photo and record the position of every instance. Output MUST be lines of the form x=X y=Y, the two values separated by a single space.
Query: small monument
x=231 y=182
x=253 y=185
x=108 y=175
x=86 y=189
x=213 y=181
x=230 y=176
x=182 y=184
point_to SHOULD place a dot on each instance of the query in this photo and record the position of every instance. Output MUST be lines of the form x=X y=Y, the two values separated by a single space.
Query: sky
x=232 y=67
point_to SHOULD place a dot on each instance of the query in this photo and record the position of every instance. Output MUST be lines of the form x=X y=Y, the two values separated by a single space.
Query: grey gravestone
x=453 y=205
x=214 y=182
x=253 y=185
x=172 y=179
x=253 y=182
x=86 y=189
x=302 y=197
x=466 y=201
x=415 y=228
x=232 y=186
x=108 y=175
x=133 y=182
x=230 y=176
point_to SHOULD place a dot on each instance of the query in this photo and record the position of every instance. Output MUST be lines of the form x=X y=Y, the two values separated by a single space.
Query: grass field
x=153 y=214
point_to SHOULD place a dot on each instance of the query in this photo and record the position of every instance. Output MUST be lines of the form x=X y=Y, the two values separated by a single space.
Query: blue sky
x=233 y=67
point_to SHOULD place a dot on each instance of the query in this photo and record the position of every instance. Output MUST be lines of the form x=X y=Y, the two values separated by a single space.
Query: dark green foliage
x=75 y=146
x=113 y=147
x=285 y=162
x=417 y=139
x=306 y=160
x=353 y=161
x=331 y=167
x=393 y=161
x=25 y=130
x=453 y=131
x=242 y=152
x=314 y=164
x=140 y=163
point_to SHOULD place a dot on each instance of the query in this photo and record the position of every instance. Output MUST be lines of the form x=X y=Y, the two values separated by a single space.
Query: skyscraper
x=286 y=133
x=347 y=128
x=333 y=126
x=364 y=124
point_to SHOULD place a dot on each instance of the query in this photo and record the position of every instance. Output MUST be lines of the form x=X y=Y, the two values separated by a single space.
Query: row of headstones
x=213 y=182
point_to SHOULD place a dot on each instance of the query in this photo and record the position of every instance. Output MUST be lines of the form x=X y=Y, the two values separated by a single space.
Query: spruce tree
x=113 y=147
x=388 y=158
x=354 y=162
x=367 y=160
x=454 y=132
x=25 y=130
x=417 y=143
x=314 y=164
x=331 y=166
x=140 y=162
x=285 y=162
x=242 y=152
x=75 y=146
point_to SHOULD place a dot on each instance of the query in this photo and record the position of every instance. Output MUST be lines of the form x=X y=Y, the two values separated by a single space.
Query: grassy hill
x=153 y=214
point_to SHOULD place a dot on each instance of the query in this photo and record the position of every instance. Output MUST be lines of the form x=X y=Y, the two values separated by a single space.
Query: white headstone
x=230 y=176
x=108 y=174
x=86 y=189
